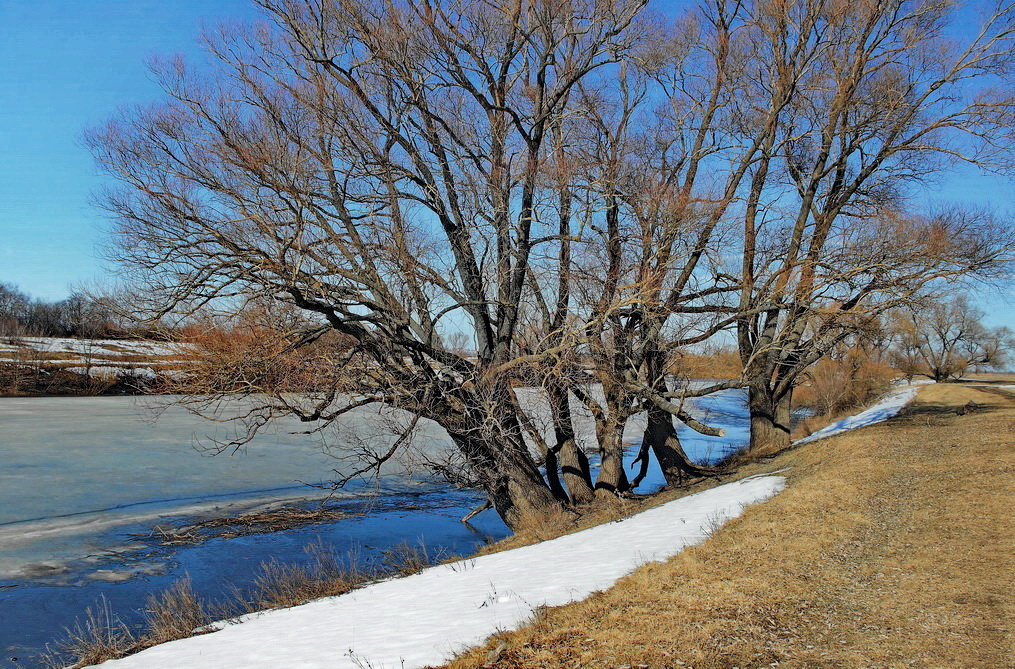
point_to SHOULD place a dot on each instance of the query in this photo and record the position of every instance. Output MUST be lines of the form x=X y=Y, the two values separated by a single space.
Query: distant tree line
x=75 y=316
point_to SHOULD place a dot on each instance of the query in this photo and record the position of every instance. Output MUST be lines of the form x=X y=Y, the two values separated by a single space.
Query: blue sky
x=66 y=65
x=69 y=64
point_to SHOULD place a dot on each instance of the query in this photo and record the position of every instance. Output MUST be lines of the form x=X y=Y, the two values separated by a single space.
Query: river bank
x=889 y=547
x=116 y=554
x=409 y=605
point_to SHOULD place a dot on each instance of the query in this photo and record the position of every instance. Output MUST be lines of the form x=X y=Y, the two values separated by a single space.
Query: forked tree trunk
x=770 y=419
x=661 y=437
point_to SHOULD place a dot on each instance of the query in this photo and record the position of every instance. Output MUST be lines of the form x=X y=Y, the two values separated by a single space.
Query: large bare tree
x=579 y=191
x=833 y=234
x=385 y=167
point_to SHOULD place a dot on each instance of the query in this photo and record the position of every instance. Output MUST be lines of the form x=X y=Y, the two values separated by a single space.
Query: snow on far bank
x=94 y=357
x=429 y=617
x=97 y=347
x=887 y=407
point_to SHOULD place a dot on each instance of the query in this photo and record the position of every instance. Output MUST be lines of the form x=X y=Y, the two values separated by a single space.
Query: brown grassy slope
x=892 y=546
x=991 y=377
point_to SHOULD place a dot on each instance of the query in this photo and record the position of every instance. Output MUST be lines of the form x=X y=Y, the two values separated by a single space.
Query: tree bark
x=574 y=465
x=612 y=478
x=513 y=483
x=551 y=464
x=770 y=419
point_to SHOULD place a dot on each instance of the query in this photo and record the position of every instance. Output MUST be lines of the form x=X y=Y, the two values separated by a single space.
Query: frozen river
x=73 y=469
x=82 y=478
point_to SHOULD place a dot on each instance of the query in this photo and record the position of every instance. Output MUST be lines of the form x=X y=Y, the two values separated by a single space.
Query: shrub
x=844 y=382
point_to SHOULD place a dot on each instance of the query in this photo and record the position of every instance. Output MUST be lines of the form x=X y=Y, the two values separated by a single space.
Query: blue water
x=33 y=613
x=82 y=478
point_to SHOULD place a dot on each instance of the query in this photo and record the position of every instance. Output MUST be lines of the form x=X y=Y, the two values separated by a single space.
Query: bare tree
x=14 y=309
x=945 y=339
x=831 y=238
x=382 y=167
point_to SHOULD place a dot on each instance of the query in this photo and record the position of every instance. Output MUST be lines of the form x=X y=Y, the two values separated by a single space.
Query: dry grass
x=97 y=638
x=721 y=364
x=406 y=559
x=281 y=585
x=892 y=546
x=174 y=614
x=992 y=377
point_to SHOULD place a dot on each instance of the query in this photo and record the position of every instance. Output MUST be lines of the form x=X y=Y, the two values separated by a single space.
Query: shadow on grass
x=912 y=414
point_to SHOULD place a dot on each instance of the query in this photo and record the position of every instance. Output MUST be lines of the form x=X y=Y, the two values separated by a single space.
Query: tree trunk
x=551 y=465
x=574 y=465
x=612 y=478
x=770 y=419
x=661 y=436
x=523 y=502
x=512 y=482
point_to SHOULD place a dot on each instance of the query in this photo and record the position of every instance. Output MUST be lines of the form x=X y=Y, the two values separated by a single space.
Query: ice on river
x=76 y=468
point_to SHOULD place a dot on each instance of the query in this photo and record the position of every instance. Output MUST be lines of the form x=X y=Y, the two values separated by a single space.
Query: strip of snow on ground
x=887 y=407
x=429 y=617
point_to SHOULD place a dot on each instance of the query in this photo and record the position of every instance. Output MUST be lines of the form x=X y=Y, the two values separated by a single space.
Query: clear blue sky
x=68 y=64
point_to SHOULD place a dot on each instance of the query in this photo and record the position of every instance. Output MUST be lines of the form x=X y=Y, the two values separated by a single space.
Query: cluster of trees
x=75 y=316
x=583 y=187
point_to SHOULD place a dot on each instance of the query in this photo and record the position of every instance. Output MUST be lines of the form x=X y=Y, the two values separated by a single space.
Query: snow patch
x=429 y=617
x=887 y=407
x=95 y=347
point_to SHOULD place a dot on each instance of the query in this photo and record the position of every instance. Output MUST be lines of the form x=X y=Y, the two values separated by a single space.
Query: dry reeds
x=99 y=637
x=179 y=612
x=175 y=614
x=281 y=585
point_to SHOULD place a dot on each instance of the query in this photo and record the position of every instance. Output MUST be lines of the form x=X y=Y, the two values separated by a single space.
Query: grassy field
x=992 y=377
x=892 y=546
